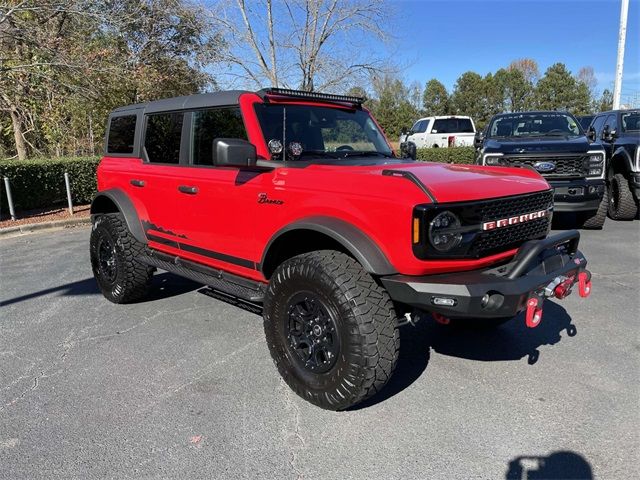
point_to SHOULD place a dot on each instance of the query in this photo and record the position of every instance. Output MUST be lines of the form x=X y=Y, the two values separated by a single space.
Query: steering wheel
x=343 y=148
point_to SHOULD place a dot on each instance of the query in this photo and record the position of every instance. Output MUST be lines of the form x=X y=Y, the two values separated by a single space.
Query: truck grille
x=505 y=238
x=566 y=165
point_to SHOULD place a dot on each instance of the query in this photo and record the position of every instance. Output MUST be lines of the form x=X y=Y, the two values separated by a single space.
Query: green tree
x=468 y=97
x=558 y=89
x=435 y=99
x=392 y=107
x=605 y=102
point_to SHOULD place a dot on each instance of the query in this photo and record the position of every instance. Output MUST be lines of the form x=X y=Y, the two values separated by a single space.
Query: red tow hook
x=534 y=312
x=441 y=319
x=584 y=284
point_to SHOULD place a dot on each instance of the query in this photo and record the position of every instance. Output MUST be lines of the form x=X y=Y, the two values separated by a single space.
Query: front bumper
x=501 y=291
x=634 y=183
x=577 y=195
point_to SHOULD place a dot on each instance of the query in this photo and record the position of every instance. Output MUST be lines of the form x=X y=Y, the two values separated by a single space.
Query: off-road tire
x=130 y=279
x=365 y=320
x=595 y=221
x=622 y=205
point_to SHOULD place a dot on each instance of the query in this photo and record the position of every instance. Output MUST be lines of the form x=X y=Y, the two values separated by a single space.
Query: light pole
x=617 y=87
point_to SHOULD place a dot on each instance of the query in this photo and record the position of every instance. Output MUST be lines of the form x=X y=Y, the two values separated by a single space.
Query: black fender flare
x=620 y=155
x=124 y=204
x=356 y=242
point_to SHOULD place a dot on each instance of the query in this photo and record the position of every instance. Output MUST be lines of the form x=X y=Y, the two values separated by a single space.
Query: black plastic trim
x=242 y=262
x=125 y=206
x=364 y=250
x=413 y=179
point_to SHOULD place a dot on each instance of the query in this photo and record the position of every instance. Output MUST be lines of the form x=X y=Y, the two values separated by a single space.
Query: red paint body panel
x=225 y=215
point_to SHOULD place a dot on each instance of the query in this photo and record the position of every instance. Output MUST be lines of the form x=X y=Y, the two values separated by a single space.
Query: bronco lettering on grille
x=505 y=222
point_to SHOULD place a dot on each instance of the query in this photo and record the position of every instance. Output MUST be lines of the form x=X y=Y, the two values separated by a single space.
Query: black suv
x=555 y=145
x=619 y=132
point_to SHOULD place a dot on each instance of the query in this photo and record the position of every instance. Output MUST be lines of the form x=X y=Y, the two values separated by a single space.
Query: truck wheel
x=595 y=220
x=622 y=206
x=331 y=329
x=114 y=252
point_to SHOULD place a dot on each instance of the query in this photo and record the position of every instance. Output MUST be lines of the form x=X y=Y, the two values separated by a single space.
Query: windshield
x=631 y=122
x=322 y=131
x=535 y=125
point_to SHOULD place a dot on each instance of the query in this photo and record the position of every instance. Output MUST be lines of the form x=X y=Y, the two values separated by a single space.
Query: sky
x=443 y=39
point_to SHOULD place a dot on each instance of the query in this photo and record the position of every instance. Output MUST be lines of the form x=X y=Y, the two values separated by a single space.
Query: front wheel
x=622 y=205
x=595 y=220
x=331 y=329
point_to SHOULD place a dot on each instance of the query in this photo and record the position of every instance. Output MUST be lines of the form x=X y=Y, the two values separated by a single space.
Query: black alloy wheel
x=311 y=333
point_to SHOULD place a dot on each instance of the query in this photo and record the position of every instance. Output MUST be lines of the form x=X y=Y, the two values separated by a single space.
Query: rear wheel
x=331 y=329
x=114 y=253
x=622 y=205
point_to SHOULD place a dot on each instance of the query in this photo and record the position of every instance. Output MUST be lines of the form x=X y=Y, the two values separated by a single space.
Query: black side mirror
x=591 y=134
x=478 y=139
x=408 y=150
x=608 y=135
x=403 y=131
x=234 y=152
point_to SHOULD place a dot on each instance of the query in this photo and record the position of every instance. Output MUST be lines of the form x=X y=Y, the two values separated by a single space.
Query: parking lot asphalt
x=182 y=385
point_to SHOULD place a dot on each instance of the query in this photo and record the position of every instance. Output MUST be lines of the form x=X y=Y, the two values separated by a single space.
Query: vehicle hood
x=459 y=183
x=539 y=145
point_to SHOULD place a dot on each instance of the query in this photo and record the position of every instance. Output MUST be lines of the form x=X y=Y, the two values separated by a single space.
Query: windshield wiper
x=367 y=154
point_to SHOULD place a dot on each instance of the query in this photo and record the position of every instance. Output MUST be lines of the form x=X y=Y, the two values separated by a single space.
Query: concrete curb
x=34 y=227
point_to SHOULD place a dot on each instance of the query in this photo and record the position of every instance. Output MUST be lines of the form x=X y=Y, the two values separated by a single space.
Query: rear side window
x=162 y=137
x=452 y=125
x=211 y=124
x=122 y=131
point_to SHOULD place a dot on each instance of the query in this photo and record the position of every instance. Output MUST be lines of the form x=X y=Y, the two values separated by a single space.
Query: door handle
x=137 y=183
x=188 y=189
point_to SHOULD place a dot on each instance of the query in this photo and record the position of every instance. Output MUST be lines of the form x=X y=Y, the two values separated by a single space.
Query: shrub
x=446 y=155
x=40 y=182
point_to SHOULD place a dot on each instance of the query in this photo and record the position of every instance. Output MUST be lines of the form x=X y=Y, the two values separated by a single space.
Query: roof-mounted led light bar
x=327 y=97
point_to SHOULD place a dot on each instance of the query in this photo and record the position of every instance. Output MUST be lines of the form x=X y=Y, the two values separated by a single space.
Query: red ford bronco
x=295 y=202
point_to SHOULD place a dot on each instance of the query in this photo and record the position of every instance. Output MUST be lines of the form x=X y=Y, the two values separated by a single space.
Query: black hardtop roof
x=533 y=112
x=200 y=100
x=621 y=110
x=231 y=97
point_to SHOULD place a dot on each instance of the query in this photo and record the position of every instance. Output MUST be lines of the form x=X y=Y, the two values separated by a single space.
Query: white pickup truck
x=447 y=131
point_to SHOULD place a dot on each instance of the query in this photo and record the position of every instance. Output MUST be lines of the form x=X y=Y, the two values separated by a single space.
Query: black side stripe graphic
x=242 y=262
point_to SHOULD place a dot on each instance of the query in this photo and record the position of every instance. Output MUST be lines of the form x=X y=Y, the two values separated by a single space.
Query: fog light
x=485 y=300
x=592 y=189
x=444 y=301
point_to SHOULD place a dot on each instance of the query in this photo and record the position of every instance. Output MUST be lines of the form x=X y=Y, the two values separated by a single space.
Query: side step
x=226 y=282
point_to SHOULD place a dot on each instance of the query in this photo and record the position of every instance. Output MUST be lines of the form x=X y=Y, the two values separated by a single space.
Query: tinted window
x=630 y=121
x=612 y=122
x=162 y=138
x=421 y=126
x=598 y=123
x=121 y=134
x=211 y=124
x=452 y=125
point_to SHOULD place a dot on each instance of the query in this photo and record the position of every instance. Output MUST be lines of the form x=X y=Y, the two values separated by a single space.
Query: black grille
x=505 y=238
x=501 y=239
x=566 y=165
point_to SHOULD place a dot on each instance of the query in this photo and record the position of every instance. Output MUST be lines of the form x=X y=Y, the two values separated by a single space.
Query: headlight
x=444 y=232
x=595 y=164
x=493 y=160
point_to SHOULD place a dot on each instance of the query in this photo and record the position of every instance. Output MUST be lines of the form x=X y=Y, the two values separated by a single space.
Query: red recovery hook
x=584 y=284
x=441 y=319
x=534 y=312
